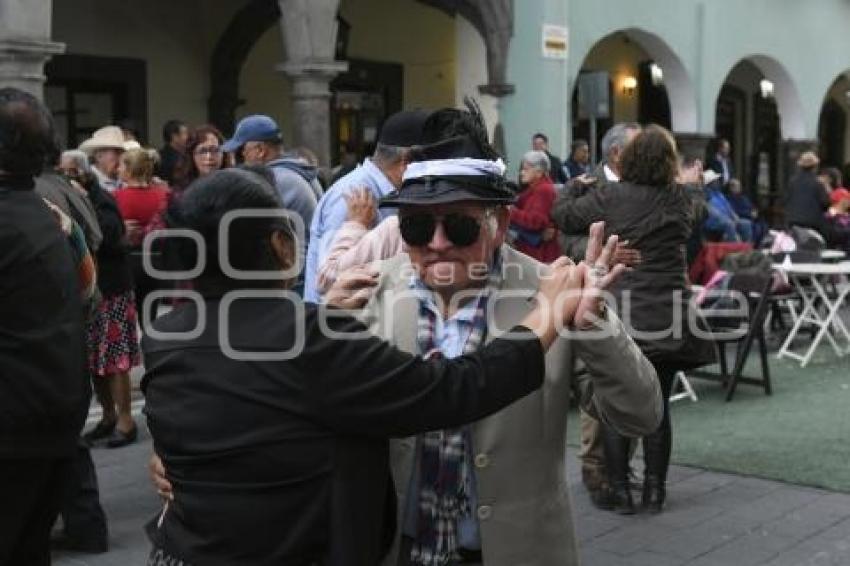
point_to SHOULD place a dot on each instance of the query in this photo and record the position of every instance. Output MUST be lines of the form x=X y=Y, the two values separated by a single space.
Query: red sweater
x=141 y=204
x=531 y=212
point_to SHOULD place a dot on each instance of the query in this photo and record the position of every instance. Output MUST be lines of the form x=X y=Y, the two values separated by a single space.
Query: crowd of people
x=397 y=389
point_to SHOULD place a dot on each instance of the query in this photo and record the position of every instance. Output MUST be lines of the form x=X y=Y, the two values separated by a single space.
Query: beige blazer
x=519 y=453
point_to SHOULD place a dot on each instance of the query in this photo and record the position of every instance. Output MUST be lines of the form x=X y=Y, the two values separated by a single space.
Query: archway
x=230 y=53
x=833 y=124
x=647 y=82
x=758 y=107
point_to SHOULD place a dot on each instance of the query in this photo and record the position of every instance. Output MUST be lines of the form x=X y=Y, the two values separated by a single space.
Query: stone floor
x=711 y=520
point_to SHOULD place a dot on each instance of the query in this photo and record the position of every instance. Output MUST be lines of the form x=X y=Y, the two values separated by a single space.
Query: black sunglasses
x=418 y=229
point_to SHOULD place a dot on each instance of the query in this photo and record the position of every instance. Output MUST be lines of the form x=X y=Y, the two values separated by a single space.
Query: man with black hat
x=381 y=175
x=494 y=492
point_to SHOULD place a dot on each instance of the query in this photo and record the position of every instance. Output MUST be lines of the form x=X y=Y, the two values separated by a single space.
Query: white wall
x=471 y=72
x=175 y=38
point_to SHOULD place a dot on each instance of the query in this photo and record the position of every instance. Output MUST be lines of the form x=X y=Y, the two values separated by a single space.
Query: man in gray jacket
x=261 y=143
x=495 y=492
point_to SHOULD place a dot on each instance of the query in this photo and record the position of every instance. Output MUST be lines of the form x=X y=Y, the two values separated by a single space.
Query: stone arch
x=230 y=53
x=677 y=80
x=786 y=94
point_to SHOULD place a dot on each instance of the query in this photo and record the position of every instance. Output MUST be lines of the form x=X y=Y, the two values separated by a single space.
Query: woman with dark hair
x=205 y=156
x=283 y=457
x=656 y=215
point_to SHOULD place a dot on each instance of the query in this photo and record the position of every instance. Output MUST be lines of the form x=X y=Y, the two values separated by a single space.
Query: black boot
x=656 y=449
x=656 y=453
x=617 y=462
x=654 y=494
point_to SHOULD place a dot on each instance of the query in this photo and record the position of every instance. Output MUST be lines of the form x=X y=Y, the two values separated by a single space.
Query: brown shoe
x=591 y=478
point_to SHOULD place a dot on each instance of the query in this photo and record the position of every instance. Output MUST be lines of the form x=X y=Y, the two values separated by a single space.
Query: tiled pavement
x=711 y=520
x=719 y=520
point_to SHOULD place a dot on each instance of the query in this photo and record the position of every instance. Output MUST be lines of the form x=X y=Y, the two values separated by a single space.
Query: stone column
x=25 y=44
x=309 y=30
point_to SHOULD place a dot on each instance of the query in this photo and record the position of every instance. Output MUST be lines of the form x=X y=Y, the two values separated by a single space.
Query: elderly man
x=573 y=243
x=494 y=492
x=608 y=171
x=381 y=175
x=105 y=147
x=260 y=141
x=44 y=389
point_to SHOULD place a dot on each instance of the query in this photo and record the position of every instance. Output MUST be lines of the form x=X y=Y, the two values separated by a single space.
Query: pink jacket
x=356 y=245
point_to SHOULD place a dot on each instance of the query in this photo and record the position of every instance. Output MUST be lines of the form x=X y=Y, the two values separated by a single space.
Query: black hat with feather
x=455 y=162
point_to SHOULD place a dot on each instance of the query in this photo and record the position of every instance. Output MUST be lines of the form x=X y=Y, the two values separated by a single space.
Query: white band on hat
x=465 y=166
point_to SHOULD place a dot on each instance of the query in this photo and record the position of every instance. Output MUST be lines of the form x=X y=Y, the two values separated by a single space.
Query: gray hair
x=537 y=160
x=617 y=137
x=389 y=155
x=80 y=158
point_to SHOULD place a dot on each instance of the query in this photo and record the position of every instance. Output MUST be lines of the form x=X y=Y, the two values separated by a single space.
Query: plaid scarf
x=444 y=469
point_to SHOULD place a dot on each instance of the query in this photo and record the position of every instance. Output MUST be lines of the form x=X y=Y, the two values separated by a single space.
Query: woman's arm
x=535 y=216
x=575 y=215
x=355 y=245
x=363 y=385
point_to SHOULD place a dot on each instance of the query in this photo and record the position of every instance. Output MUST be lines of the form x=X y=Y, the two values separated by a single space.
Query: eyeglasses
x=208 y=151
x=418 y=229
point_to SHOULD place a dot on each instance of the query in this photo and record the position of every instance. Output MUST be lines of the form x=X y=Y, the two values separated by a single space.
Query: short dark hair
x=171 y=129
x=834 y=176
x=27 y=134
x=576 y=145
x=201 y=209
x=540 y=135
x=650 y=158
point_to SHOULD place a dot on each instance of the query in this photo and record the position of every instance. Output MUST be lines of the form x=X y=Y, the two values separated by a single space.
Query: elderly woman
x=656 y=215
x=271 y=415
x=530 y=217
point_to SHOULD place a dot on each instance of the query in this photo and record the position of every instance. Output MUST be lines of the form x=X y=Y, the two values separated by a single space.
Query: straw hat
x=808 y=160
x=107 y=137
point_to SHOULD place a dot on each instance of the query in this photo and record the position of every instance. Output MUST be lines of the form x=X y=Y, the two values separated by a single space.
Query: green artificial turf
x=799 y=435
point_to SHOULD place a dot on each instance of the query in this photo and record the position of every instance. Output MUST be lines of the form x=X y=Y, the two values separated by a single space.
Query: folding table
x=818 y=308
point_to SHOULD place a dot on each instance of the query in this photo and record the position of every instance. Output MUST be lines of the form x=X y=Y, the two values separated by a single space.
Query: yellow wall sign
x=555 y=41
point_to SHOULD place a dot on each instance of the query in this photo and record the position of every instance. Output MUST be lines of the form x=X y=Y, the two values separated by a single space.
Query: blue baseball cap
x=257 y=127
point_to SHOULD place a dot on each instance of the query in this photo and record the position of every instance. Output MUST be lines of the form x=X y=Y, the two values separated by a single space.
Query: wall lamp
x=657 y=74
x=629 y=85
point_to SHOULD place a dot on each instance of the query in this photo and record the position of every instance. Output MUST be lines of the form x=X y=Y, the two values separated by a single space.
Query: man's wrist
x=594 y=317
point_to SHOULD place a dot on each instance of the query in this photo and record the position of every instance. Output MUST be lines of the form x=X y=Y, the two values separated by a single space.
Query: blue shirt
x=720 y=211
x=450 y=336
x=331 y=214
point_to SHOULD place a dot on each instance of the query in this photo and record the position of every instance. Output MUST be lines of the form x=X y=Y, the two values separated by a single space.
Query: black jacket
x=44 y=388
x=171 y=162
x=113 y=268
x=556 y=170
x=286 y=461
x=574 y=243
x=806 y=201
x=658 y=221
